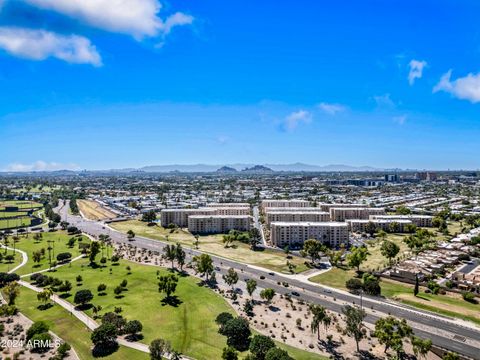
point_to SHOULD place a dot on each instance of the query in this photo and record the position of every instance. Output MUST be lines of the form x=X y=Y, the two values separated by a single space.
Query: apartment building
x=419 y=220
x=218 y=224
x=356 y=225
x=288 y=209
x=284 y=204
x=179 y=217
x=347 y=213
x=327 y=207
x=296 y=216
x=296 y=233
x=224 y=205
x=232 y=210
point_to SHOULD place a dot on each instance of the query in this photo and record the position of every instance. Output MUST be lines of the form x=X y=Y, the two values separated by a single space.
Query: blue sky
x=86 y=84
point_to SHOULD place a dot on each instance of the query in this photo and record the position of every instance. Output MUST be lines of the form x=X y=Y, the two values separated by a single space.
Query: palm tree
x=319 y=315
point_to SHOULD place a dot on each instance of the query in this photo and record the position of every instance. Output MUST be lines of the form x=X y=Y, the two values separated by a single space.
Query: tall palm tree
x=319 y=314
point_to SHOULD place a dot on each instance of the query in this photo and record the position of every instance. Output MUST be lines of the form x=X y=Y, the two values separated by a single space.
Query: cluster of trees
x=175 y=253
x=73 y=206
x=149 y=216
x=252 y=237
x=421 y=240
x=238 y=333
x=369 y=283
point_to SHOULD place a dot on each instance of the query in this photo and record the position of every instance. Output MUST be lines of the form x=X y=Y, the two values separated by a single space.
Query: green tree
x=421 y=347
x=180 y=256
x=94 y=250
x=313 y=248
x=130 y=235
x=354 y=326
x=133 y=328
x=229 y=353
x=238 y=333
x=357 y=256
x=251 y=286
x=231 y=277
x=391 y=332
x=170 y=253
x=319 y=315
x=276 y=353
x=259 y=346
x=203 y=264
x=104 y=336
x=11 y=291
x=389 y=249
x=267 y=294
x=83 y=297
x=167 y=284
x=149 y=216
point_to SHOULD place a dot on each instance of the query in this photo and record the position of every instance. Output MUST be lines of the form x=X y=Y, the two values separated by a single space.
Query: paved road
x=332 y=299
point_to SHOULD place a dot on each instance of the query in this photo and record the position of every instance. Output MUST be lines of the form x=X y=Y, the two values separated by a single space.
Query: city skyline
x=185 y=82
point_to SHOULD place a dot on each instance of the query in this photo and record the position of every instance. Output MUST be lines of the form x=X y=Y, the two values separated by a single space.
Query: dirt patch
x=94 y=211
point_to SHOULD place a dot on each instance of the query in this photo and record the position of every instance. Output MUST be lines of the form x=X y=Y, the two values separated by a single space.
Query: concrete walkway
x=24 y=258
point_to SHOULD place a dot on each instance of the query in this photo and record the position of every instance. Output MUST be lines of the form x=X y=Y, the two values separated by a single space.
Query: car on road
x=271 y=273
x=295 y=293
x=262 y=277
x=328 y=291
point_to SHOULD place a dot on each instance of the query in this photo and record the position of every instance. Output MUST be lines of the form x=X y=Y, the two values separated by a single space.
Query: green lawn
x=6 y=266
x=450 y=305
x=58 y=244
x=190 y=326
x=69 y=328
x=12 y=214
x=21 y=204
x=212 y=244
x=14 y=223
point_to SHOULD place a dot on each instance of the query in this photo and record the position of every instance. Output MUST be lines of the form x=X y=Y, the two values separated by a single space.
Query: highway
x=444 y=332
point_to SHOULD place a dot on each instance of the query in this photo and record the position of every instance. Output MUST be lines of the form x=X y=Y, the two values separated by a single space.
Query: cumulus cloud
x=331 y=109
x=138 y=18
x=295 y=118
x=41 y=44
x=400 y=120
x=40 y=166
x=416 y=70
x=465 y=88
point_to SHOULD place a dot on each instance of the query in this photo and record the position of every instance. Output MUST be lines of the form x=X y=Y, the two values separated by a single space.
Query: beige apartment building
x=296 y=216
x=419 y=220
x=346 y=213
x=357 y=225
x=296 y=233
x=284 y=204
x=232 y=210
x=223 y=205
x=327 y=207
x=218 y=224
x=179 y=217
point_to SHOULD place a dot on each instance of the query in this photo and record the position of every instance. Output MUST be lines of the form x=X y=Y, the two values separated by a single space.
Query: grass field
x=92 y=210
x=14 y=223
x=450 y=305
x=69 y=328
x=11 y=214
x=6 y=266
x=58 y=243
x=212 y=244
x=21 y=204
x=190 y=326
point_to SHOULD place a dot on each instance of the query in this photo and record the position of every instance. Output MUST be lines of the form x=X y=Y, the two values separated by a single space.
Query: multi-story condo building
x=345 y=213
x=296 y=216
x=223 y=205
x=232 y=210
x=296 y=233
x=398 y=226
x=419 y=220
x=288 y=209
x=179 y=217
x=284 y=203
x=327 y=207
x=218 y=224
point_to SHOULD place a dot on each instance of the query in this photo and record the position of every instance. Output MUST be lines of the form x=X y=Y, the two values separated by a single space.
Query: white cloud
x=40 y=166
x=41 y=44
x=466 y=88
x=384 y=100
x=331 y=109
x=416 y=70
x=295 y=118
x=138 y=18
x=400 y=120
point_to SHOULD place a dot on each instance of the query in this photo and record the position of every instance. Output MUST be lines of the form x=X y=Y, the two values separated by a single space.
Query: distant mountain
x=296 y=167
x=257 y=169
x=226 y=169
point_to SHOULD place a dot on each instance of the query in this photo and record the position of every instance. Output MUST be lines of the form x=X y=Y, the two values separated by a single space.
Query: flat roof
x=308 y=223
